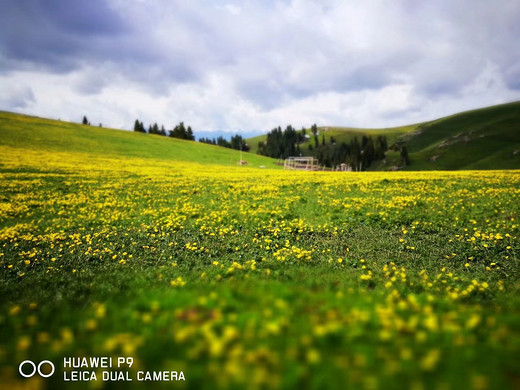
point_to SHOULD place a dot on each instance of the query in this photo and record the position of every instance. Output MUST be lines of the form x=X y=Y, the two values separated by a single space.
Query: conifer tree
x=314 y=130
x=189 y=134
x=404 y=155
x=137 y=126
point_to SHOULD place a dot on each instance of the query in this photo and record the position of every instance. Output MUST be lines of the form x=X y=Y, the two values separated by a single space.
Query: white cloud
x=255 y=65
x=16 y=96
x=233 y=9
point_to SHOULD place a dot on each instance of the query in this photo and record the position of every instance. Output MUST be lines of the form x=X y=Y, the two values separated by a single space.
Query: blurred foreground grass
x=259 y=278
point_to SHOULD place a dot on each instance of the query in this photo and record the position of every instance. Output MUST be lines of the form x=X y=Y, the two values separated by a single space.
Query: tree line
x=236 y=142
x=282 y=144
x=359 y=153
x=180 y=131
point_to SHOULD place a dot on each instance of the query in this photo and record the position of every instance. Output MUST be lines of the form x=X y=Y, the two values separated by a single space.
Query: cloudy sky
x=245 y=66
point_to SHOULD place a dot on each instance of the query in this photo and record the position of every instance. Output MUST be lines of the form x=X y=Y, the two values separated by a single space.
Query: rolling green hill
x=45 y=135
x=344 y=134
x=487 y=138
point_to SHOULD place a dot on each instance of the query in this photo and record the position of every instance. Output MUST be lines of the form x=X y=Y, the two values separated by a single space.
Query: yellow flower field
x=256 y=278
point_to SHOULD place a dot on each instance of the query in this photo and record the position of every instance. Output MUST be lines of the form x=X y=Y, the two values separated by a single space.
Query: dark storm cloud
x=227 y=61
x=61 y=36
x=92 y=18
x=56 y=34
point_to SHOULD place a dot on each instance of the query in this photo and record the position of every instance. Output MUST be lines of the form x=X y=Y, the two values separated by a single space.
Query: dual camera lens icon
x=36 y=368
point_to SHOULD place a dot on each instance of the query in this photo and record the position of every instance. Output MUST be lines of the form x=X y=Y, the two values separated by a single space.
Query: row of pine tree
x=359 y=154
x=236 y=142
x=179 y=131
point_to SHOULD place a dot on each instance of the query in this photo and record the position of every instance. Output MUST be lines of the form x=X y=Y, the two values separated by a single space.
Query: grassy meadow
x=251 y=278
x=40 y=135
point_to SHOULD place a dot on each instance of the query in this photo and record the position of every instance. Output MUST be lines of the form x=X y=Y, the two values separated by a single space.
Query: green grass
x=39 y=134
x=480 y=139
x=251 y=278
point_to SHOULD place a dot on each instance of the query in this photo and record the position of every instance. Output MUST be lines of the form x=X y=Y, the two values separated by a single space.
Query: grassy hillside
x=38 y=134
x=343 y=134
x=487 y=138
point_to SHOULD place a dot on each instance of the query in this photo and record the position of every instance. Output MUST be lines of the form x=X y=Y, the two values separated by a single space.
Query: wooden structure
x=345 y=168
x=301 y=163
